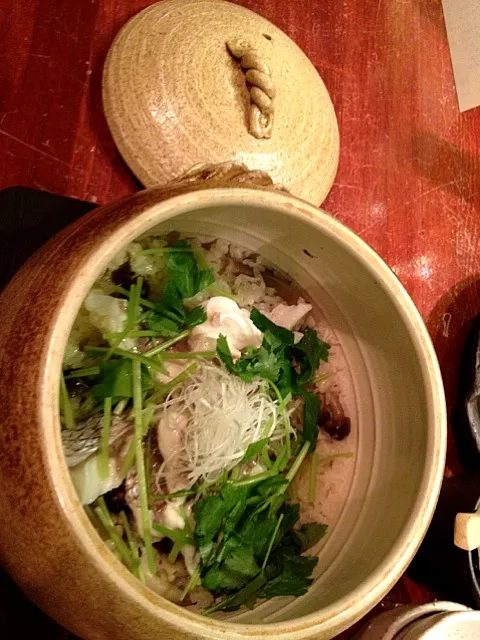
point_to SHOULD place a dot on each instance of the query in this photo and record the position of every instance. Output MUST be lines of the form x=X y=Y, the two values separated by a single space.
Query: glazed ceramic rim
x=344 y=612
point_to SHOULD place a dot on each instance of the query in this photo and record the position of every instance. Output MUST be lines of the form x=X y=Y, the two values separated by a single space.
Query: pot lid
x=201 y=82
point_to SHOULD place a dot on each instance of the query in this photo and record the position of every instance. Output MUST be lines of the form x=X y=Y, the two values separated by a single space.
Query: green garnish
x=104 y=450
x=191 y=584
x=189 y=355
x=145 y=303
x=137 y=357
x=312 y=478
x=290 y=368
x=83 y=373
x=254 y=449
x=173 y=534
x=162 y=250
x=140 y=465
x=247 y=542
x=245 y=532
x=66 y=405
x=167 y=344
x=137 y=569
x=115 y=380
x=185 y=279
x=272 y=540
x=132 y=315
x=173 y=555
x=335 y=456
x=309 y=534
x=105 y=518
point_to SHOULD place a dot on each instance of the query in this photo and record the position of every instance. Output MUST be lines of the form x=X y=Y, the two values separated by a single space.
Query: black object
x=450 y=572
x=466 y=417
x=28 y=218
x=453 y=573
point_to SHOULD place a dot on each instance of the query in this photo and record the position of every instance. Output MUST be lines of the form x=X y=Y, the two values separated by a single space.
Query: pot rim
x=342 y=613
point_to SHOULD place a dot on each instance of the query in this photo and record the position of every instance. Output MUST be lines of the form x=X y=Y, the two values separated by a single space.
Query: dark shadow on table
x=446 y=166
x=20 y=618
x=449 y=325
x=438 y=564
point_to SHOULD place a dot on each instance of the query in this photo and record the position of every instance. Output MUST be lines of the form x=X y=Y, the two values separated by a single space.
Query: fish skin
x=84 y=440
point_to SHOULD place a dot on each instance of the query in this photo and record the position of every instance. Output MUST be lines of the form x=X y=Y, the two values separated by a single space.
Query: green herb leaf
x=235 y=571
x=257 y=363
x=223 y=352
x=246 y=596
x=307 y=355
x=184 y=273
x=164 y=326
x=311 y=411
x=185 y=280
x=257 y=531
x=309 y=534
x=254 y=449
x=271 y=486
x=291 y=574
x=195 y=317
x=283 y=336
x=115 y=380
x=168 y=318
x=208 y=514
x=254 y=363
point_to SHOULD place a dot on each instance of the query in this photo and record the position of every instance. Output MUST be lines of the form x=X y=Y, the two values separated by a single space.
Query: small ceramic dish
x=46 y=541
x=389 y=624
x=445 y=626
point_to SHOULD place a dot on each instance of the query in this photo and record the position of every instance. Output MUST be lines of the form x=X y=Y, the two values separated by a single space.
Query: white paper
x=462 y=18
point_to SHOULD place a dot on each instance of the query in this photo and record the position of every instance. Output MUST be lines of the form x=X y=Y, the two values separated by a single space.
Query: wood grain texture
x=409 y=164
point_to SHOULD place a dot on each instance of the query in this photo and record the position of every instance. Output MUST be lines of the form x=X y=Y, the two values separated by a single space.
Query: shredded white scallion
x=220 y=416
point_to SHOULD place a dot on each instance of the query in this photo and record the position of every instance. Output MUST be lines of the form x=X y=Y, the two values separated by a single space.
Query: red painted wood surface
x=409 y=166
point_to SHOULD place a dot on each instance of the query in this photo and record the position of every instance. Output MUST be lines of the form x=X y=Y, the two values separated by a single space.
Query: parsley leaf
x=223 y=352
x=291 y=574
x=248 y=543
x=309 y=534
x=311 y=412
x=115 y=380
x=307 y=355
x=185 y=280
x=291 y=367
x=195 y=316
x=209 y=513
x=282 y=336
x=164 y=326
x=238 y=568
x=184 y=273
x=254 y=449
x=254 y=363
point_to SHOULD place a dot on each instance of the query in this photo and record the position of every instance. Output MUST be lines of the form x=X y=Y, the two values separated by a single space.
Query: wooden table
x=409 y=164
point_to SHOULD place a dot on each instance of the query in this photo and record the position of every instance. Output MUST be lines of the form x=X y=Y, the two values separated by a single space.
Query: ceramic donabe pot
x=397 y=407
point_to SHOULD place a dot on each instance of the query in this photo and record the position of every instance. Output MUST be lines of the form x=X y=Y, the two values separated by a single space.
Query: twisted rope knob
x=260 y=86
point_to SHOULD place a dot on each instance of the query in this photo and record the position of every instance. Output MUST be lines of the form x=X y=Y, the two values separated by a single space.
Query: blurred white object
x=467 y=531
x=388 y=625
x=464 y=625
